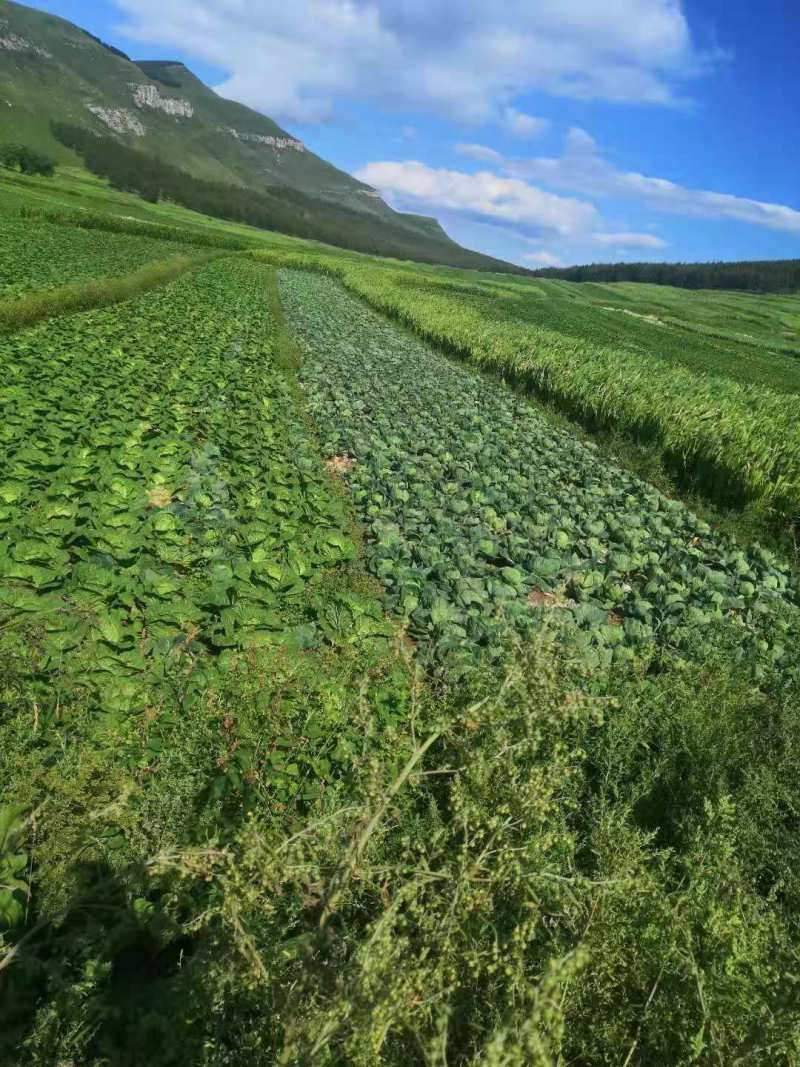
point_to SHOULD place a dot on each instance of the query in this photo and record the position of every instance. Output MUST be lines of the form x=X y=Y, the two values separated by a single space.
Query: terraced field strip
x=36 y=255
x=162 y=505
x=17 y=313
x=483 y=514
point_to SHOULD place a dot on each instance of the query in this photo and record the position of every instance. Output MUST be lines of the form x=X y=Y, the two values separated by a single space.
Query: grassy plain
x=354 y=708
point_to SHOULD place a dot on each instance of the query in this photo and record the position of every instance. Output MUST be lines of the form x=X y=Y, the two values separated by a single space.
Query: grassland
x=355 y=708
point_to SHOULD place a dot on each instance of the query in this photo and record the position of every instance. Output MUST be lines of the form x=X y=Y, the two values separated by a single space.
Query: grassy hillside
x=60 y=71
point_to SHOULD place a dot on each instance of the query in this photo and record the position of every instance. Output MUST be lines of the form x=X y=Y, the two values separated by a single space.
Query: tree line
x=757 y=276
x=22 y=158
x=277 y=208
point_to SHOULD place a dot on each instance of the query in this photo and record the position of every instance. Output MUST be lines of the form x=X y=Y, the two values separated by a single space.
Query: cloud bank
x=485 y=195
x=582 y=169
x=467 y=59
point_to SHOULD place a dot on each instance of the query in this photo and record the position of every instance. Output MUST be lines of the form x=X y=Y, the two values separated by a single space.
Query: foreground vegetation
x=354 y=710
x=560 y=868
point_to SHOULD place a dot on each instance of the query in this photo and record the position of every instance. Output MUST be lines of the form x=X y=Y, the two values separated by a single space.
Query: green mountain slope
x=51 y=69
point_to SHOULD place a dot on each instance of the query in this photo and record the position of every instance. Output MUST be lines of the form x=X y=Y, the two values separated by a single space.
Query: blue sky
x=542 y=131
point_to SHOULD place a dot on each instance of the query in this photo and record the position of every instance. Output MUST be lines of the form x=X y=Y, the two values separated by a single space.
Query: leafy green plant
x=36 y=255
x=183 y=523
x=13 y=884
x=154 y=231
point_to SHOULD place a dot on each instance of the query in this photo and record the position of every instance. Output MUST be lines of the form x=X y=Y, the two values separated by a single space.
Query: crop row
x=741 y=440
x=128 y=226
x=37 y=255
x=482 y=512
x=161 y=502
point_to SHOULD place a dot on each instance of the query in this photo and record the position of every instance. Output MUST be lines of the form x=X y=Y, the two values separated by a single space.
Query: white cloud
x=484 y=195
x=468 y=59
x=480 y=152
x=630 y=240
x=582 y=169
x=543 y=258
x=526 y=127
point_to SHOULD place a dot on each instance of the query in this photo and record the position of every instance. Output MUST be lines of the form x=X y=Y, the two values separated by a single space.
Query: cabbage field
x=482 y=512
x=739 y=440
x=158 y=509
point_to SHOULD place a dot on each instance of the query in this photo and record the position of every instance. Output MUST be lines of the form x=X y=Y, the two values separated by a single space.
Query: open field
x=576 y=346
x=357 y=708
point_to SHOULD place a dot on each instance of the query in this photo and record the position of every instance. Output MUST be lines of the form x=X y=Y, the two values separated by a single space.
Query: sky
x=546 y=132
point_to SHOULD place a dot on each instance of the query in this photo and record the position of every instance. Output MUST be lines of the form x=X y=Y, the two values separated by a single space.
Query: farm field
x=739 y=441
x=34 y=257
x=355 y=707
x=479 y=510
x=737 y=335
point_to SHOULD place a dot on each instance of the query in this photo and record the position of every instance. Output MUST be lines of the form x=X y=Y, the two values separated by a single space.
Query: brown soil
x=339 y=465
x=159 y=497
x=540 y=598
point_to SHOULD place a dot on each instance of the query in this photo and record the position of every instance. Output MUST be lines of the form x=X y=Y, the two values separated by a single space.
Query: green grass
x=741 y=336
x=561 y=868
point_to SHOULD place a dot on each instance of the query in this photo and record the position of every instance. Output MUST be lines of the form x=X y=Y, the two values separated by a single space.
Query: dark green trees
x=27 y=160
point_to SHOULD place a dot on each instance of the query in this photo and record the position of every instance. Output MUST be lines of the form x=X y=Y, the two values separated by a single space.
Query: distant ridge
x=756 y=276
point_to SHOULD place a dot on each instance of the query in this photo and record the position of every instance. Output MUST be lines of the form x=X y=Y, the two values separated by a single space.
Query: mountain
x=51 y=69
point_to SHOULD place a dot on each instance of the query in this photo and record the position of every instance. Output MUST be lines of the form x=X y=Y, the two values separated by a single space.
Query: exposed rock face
x=149 y=96
x=11 y=42
x=278 y=143
x=373 y=194
x=119 y=119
